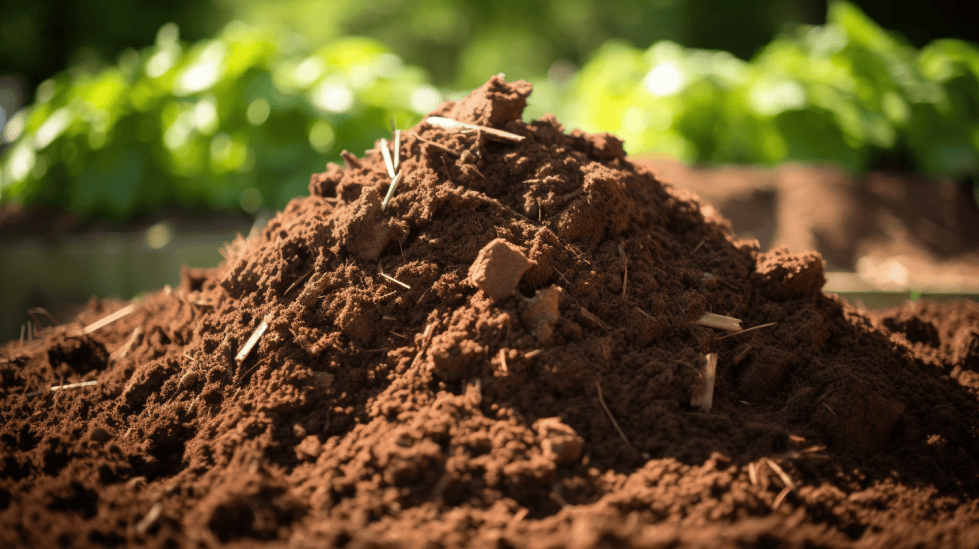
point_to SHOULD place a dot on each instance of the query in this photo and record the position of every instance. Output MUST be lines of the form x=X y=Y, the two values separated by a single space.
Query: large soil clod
x=428 y=370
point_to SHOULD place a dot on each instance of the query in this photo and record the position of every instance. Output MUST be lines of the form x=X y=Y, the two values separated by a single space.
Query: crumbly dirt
x=415 y=409
x=858 y=222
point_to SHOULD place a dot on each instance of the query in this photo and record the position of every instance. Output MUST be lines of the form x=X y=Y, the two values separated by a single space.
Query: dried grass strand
x=449 y=123
x=786 y=479
x=387 y=157
x=390 y=194
x=426 y=338
x=396 y=281
x=253 y=340
x=34 y=311
x=601 y=400
x=124 y=349
x=63 y=387
x=150 y=518
x=99 y=324
x=753 y=328
x=625 y=273
x=397 y=149
x=430 y=143
x=351 y=160
x=74 y=385
x=719 y=322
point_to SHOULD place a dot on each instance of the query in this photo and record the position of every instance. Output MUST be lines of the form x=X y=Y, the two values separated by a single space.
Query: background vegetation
x=241 y=120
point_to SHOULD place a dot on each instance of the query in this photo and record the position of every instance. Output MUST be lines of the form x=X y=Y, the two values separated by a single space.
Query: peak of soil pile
x=506 y=353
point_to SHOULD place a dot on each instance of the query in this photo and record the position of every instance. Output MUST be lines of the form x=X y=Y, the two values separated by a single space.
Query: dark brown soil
x=930 y=227
x=532 y=386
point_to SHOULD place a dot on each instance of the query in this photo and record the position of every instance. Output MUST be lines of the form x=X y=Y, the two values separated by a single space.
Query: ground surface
x=507 y=354
x=895 y=229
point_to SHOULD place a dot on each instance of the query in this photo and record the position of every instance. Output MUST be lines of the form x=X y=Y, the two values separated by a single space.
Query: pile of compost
x=514 y=350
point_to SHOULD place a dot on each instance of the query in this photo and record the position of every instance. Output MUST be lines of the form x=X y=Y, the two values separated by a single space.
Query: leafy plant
x=847 y=92
x=242 y=119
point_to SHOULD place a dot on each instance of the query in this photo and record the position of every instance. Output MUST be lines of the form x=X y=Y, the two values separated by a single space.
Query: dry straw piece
x=448 y=123
x=387 y=157
x=64 y=387
x=99 y=324
x=253 y=340
x=442 y=148
x=397 y=149
x=391 y=189
x=601 y=400
x=703 y=395
x=396 y=281
x=720 y=322
x=753 y=328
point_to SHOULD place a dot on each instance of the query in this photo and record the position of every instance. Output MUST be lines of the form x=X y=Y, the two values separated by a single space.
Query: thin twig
x=426 y=338
x=298 y=281
x=752 y=474
x=63 y=387
x=625 y=274
x=396 y=281
x=786 y=479
x=391 y=189
x=98 y=325
x=34 y=311
x=753 y=328
x=830 y=409
x=503 y=365
x=125 y=348
x=781 y=497
x=592 y=320
x=740 y=356
x=150 y=519
x=350 y=159
x=697 y=247
x=253 y=340
x=74 y=385
x=442 y=148
x=601 y=400
x=448 y=123
x=387 y=157
x=645 y=314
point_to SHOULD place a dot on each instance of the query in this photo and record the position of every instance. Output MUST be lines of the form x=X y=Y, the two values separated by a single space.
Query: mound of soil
x=858 y=223
x=506 y=354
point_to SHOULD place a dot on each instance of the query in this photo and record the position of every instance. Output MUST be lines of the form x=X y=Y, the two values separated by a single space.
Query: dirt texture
x=894 y=229
x=506 y=354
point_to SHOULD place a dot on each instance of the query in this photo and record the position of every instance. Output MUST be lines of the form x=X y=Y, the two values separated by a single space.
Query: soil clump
x=504 y=354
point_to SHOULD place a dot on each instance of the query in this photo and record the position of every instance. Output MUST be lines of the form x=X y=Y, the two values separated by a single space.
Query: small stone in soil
x=560 y=442
x=498 y=268
x=540 y=313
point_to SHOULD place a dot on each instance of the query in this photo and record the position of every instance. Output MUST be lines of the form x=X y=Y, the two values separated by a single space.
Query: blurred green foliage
x=462 y=42
x=39 y=39
x=847 y=92
x=239 y=120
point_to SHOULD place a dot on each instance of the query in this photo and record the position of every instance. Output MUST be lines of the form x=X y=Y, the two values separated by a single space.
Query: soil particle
x=498 y=268
x=540 y=313
x=460 y=408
